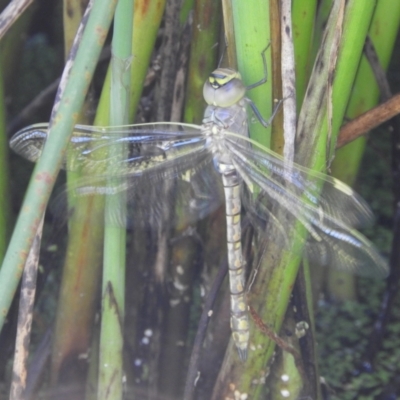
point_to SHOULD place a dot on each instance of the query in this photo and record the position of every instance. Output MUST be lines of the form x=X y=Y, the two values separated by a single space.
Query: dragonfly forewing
x=155 y=154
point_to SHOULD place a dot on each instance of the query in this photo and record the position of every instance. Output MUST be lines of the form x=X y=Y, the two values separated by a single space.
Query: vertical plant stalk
x=252 y=36
x=146 y=20
x=203 y=57
x=287 y=374
x=73 y=88
x=303 y=23
x=229 y=33
x=302 y=19
x=178 y=97
x=356 y=22
x=111 y=371
x=288 y=82
x=275 y=75
x=315 y=122
x=323 y=11
x=25 y=316
x=76 y=305
x=79 y=288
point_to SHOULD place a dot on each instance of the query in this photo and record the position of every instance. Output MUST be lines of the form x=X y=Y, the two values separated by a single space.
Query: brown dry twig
x=273 y=336
x=369 y=120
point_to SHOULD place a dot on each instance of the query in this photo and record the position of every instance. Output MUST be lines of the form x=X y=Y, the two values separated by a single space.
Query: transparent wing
x=327 y=208
x=193 y=191
x=90 y=146
x=165 y=167
x=169 y=163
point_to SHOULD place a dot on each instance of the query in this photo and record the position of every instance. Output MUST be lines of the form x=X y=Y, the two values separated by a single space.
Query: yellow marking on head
x=221 y=76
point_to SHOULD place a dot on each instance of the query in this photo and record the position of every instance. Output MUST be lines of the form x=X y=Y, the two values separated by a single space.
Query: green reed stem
x=63 y=120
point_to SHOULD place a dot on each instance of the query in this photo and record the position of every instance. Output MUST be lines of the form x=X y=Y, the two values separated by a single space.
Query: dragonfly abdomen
x=237 y=281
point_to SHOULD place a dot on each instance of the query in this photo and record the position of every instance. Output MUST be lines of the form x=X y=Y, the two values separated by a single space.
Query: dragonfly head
x=223 y=88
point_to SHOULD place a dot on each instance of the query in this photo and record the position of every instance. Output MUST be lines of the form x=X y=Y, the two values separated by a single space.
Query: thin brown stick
x=378 y=115
x=369 y=120
x=266 y=330
x=26 y=302
x=285 y=346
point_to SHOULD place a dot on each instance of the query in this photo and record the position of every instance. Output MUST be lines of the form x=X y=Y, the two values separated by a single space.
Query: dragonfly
x=213 y=163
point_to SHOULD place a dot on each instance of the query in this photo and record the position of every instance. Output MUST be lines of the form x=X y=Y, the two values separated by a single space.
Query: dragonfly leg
x=265 y=123
x=265 y=78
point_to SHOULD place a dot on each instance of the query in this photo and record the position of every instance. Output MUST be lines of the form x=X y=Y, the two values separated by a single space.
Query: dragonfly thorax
x=217 y=122
x=223 y=88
